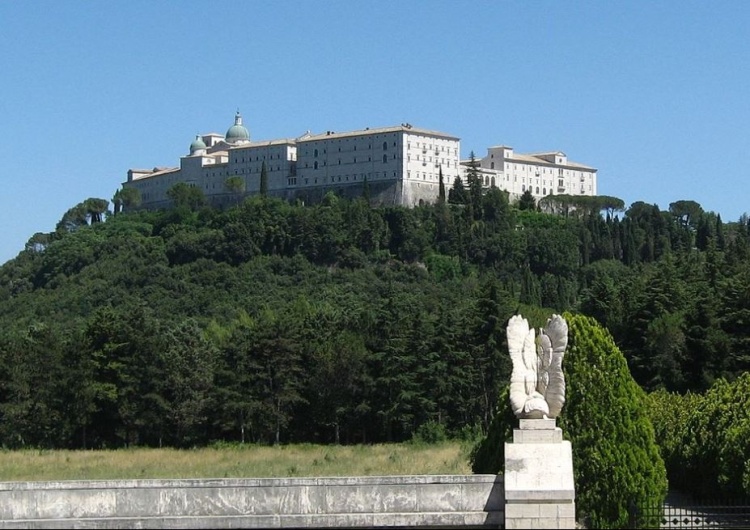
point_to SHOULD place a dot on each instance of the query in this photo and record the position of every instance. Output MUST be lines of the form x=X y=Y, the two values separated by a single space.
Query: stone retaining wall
x=398 y=501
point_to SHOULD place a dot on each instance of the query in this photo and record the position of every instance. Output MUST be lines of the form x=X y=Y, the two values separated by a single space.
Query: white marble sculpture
x=537 y=384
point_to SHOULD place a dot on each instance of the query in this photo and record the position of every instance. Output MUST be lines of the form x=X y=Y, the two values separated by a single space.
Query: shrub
x=714 y=449
x=430 y=432
x=615 y=458
x=669 y=413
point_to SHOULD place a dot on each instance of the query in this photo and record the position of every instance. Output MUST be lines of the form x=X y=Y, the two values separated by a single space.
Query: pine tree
x=458 y=194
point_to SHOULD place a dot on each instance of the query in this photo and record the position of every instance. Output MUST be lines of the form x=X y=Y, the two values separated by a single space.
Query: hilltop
x=270 y=321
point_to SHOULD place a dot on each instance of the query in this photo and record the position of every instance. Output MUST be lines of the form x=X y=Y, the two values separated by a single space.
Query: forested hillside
x=339 y=322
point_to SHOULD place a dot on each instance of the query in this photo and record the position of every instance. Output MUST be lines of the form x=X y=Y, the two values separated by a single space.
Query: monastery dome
x=237 y=132
x=197 y=145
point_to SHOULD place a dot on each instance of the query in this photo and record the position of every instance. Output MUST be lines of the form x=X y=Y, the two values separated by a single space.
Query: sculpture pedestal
x=539 y=489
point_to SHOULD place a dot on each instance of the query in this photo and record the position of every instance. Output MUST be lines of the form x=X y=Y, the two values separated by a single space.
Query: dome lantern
x=237 y=133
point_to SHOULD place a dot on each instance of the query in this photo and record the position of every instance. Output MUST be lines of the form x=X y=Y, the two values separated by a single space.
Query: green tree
x=687 y=213
x=458 y=194
x=263 y=180
x=126 y=198
x=527 y=201
x=190 y=364
x=186 y=196
x=366 y=190
x=236 y=186
x=714 y=446
x=441 y=187
x=90 y=211
x=474 y=180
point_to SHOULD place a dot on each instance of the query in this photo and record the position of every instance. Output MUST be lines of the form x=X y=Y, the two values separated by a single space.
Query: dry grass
x=236 y=461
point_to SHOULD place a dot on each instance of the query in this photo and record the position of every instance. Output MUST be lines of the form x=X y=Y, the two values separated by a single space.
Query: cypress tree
x=615 y=457
x=441 y=190
x=263 y=180
x=366 y=190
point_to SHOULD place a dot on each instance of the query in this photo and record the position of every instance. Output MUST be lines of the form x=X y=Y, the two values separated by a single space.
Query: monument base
x=539 y=489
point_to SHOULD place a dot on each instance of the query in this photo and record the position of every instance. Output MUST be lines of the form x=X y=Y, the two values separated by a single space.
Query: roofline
x=407 y=128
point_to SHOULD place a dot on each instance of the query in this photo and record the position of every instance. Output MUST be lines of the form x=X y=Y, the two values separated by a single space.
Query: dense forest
x=341 y=322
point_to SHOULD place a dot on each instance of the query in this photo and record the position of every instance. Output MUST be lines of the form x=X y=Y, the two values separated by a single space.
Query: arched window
x=492 y=180
x=492 y=165
x=537 y=190
x=385 y=146
x=315 y=154
x=316 y=165
x=385 y=159
x=544 y=191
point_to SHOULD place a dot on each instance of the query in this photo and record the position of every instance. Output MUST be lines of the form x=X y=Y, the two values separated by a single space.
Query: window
x=385 y=146
x=492 y=165
x=315 y=166
x=315 y=153
x=385 y=159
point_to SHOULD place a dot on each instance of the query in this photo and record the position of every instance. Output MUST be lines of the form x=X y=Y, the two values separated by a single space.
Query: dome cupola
x=198 y=147
x=237 y=133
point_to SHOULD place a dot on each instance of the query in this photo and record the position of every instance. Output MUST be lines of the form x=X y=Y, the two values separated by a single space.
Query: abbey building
x=400 y=165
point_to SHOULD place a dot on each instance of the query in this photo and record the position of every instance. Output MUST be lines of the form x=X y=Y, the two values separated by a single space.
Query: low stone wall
x=435 y=501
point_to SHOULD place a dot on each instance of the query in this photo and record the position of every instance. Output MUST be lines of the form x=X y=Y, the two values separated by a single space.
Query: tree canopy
x=338 y=321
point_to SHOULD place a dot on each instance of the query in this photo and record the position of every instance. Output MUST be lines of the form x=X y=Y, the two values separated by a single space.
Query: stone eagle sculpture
x=537 y=384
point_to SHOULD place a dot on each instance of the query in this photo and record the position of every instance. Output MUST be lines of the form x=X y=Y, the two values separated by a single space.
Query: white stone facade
x=402 y=162
x=542 y=173
x=411 y=156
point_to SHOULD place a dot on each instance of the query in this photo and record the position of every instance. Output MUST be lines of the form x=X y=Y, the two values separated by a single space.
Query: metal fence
x=692 y=516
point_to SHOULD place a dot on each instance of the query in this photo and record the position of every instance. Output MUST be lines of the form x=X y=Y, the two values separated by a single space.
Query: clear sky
x=656 y=95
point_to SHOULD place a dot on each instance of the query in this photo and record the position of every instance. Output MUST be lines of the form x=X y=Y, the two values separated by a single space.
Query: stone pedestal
x=539 y=489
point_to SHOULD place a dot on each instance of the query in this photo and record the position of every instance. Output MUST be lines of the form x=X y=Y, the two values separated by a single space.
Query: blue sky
x=656 y=95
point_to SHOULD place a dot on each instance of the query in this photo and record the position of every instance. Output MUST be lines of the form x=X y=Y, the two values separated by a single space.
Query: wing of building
x=400 y=165
x=542 y=174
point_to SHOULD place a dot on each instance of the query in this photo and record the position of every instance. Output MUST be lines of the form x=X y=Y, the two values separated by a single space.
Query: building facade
x=542 y=174
x=400 y=164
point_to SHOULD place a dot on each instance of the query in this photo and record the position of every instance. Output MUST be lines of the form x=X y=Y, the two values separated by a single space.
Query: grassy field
x=236 y=462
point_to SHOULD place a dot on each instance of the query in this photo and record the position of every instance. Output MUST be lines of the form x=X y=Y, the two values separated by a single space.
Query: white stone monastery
x=401 y=165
